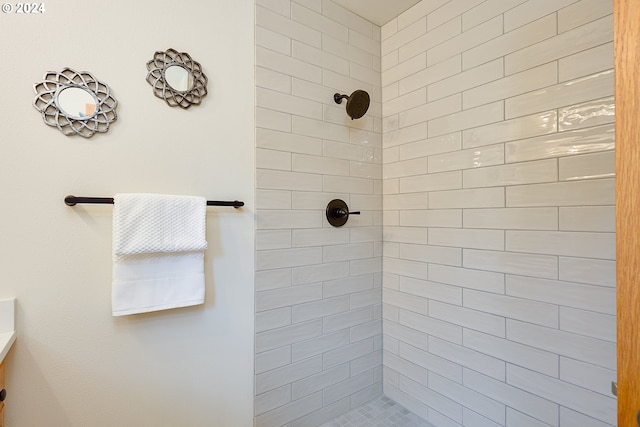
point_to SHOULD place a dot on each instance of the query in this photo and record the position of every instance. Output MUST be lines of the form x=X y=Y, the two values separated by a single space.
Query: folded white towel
x=158 y=252
x=149 y=223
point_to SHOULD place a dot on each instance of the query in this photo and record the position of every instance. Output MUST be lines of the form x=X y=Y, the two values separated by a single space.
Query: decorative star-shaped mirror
x=75 y=102
x=176 y=78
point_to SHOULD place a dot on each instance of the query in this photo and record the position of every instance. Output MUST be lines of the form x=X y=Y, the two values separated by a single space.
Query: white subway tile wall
x=498 y=205
x=318 y=288
x=485 y=251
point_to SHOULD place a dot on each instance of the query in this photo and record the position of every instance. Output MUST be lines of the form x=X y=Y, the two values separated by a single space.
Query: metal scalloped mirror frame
x=162 y=89
x=47 y=102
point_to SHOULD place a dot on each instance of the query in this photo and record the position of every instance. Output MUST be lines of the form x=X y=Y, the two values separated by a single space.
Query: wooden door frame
x=627 y=101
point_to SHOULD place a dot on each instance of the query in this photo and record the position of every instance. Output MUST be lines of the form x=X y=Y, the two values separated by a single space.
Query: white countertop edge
x=6 y=341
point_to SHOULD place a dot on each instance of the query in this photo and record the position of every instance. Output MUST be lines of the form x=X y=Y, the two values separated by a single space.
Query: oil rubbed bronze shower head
x=357 y=103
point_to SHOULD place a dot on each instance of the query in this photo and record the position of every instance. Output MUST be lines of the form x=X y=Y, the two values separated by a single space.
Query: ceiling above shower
x=377 y=11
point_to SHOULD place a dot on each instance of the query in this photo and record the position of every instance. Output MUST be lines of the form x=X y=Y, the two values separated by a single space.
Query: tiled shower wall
x=318 y=288
x=499 y=243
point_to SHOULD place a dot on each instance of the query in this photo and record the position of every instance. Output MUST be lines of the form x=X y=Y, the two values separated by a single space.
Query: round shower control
x=338 y=213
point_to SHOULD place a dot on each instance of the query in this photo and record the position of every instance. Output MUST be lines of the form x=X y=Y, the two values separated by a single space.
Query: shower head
x=357 y=103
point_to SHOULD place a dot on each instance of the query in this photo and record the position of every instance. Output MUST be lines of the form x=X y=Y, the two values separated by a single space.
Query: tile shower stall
x=477 y=287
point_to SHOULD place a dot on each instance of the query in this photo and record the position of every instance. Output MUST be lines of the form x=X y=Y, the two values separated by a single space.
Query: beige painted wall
x=74 y=364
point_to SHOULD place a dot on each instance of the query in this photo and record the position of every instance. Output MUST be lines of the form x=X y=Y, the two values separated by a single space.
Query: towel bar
x=73 y=200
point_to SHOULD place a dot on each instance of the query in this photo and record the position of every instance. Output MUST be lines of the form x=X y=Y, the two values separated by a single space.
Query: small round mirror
x=77 y=103
x=179 y=78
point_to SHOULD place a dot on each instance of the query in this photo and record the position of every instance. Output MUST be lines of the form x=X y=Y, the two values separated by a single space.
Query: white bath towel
x=158 y=252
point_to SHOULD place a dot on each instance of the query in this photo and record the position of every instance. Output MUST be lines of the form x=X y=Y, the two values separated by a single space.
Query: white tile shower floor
x=382 y=412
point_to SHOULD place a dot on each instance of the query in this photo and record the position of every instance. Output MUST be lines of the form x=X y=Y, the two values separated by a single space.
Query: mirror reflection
x=178 y=78
x=77 y=103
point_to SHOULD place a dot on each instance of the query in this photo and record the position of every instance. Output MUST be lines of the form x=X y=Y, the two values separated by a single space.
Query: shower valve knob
x=338 y=212
x=341 y=213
